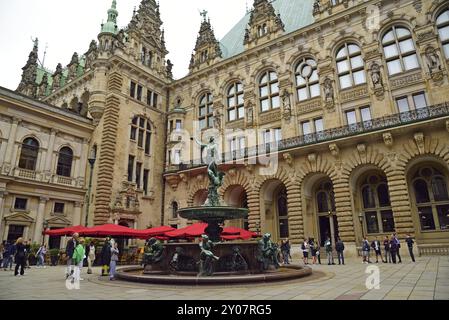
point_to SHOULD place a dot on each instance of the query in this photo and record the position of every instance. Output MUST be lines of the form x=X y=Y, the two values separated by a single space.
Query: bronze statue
x=267 y=253
x=207 y=257
x=153 y=252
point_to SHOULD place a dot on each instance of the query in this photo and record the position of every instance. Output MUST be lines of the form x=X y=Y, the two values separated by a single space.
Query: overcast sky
x=68 y=26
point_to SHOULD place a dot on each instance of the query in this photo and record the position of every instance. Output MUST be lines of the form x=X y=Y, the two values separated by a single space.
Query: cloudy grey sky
x=67 y=26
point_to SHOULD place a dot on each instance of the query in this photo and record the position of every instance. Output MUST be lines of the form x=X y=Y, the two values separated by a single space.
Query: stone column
x=3 y=146
x=40 y=220
x=48 y=157
x=83 y=160
x=5 y=234
x=10 y=147
x=3 y=195
x=76 y=220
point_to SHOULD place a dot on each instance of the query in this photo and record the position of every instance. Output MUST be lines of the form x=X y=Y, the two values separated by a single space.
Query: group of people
x=391 y=247
x=77 y=251
x=312 y=248
x=19 y=253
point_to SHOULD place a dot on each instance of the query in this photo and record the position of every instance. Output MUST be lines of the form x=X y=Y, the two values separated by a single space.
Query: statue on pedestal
x=207 y=257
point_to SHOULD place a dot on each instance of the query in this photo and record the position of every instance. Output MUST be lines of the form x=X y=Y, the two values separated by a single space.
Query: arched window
x=376 y=205
x=236 y=108
x=399 y=50
x=325 y=198
x=174 y=208
x=28 y=154
x=282 y=213
x=443 y=31
x=307 y=81
x=269 y=91
x=432 y=198
x=206 y=111
x=141 y=131
x=65 y=160
x=350 y=66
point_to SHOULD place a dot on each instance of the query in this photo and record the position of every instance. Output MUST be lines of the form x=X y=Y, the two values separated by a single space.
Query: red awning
x=66 y=231
x=110 y=230
x=242 y=235
x=153 y=232
x=195 y=230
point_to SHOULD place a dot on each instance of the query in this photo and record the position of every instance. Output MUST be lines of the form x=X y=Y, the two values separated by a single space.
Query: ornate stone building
x=333 y=118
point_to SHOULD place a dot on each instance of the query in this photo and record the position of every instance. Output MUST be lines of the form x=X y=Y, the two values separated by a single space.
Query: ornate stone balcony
x=378 y=124
x=67 y=181
x=26 y=174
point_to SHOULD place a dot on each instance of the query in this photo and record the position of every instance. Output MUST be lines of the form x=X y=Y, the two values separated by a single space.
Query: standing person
x=340 y=248
x=2 y=250
x=106 y=256
x=365 y=250
x=376 y=247
x=393 y=249
x=312 y=250
x=78 y=258
x=114 y=259
x=20 y=257
x=305 y=251
x=387 y=250
x=70 y=248
x=27 y=253
x=8 y=256
x=330 y=256
x=285 y=248
x=398 y=243
x=90 y=257
x=41 y=256
x=410 y=243
x=318 y=248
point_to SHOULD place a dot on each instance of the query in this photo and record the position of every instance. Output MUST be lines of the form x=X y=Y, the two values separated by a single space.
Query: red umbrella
x=110 y=230
x=243 y=235
x=65 y=231
x=153 y=232
x=195 y=230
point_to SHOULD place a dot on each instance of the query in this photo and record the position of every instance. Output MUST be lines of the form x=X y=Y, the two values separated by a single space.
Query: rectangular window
x=20 y=204
x=387 y=221
x=59 y=207
x=130 y=168
x=419 y=100
x=351 y=117
x=138 y=174
x=267 y=137
x=133 y=133
x=140 y=140
x=277 y=134
x=242 y=144
x=319 y=125
x=149 y=96
x=306 y=129
x=372 y=225
x=155 y=98
x=426 y=218
x=402 y=104
x=178 y=125
x=146 y=174
x=132 y=90
x=177 y=159
x=148 y=143
x=139 y=92
x=366 y=114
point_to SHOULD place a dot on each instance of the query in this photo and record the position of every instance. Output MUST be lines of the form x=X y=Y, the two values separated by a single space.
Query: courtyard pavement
x=427 y=279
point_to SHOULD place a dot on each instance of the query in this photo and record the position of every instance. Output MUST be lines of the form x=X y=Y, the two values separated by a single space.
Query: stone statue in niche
x=286 y=105
x=328 y=90
x=249 y=114
x=376 y=76
x=433 y=60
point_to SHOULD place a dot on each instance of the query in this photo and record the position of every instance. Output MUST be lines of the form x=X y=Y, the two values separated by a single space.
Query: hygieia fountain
x=212 y=261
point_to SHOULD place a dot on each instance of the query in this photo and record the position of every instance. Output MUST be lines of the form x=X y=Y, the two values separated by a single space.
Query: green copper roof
x=111 y=25
x=294 y=13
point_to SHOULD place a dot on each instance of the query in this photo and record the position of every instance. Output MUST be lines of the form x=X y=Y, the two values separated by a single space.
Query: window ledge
x=20 y=210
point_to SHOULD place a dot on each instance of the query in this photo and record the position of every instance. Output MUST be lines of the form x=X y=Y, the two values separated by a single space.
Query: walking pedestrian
x=410 y=243
x=305 y=251
x=312 y=250
x=285 y=249
x=27 y=245
x=114 y=259
x=106 y=256
x=387 y=250
x=330 y=256
x=8 y=256
x=41 y=256
x=365 y=250
x=340 y=248
x=90 y=257
x=398 y=243
x=70 y=248
x=20 y=257
x=376 y=247
x=78 y=258
x=393 y=249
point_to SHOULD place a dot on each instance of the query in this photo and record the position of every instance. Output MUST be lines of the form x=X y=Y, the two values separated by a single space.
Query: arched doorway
x=274 y=209
x=325 y=211
x=236 y=196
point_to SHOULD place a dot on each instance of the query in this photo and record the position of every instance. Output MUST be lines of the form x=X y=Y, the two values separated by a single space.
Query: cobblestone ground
x=428 y=278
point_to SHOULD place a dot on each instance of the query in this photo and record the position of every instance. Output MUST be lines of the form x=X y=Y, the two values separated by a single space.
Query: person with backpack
x=365 y=250
x=398 y=244
x=340 y=248
x=410 y=243
x=330 y=256
x=305 y=251
x=387 y=250
x=376 y=247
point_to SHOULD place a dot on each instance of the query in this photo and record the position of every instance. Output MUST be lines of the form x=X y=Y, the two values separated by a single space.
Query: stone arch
x=199 y=185
x=264 y=67
x=435 y=10
x=223 y=90
x=232 y=179
x=398 y=21
x=335 y=44
x=294 y=58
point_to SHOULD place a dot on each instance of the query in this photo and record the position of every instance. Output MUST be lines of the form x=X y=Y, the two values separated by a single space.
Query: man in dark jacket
x=387 y=250
x=376 y=247
x=393 y=249
x=398 y=244
x=340 y=247
x=70 y=248
x=410 y=243
x=8 y=256
x=106 y=257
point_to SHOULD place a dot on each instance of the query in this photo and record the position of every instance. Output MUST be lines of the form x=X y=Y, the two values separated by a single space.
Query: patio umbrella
x=153 y=232
x=110 y=230
x=65 y=231
x=195 y=230
x=242 y=235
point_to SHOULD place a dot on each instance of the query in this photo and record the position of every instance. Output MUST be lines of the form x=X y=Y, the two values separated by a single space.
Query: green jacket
x=78 y=254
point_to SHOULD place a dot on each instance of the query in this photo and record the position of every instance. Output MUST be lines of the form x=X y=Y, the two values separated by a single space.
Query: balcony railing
x=27 y=174
x=63 y=180
x=387 y=122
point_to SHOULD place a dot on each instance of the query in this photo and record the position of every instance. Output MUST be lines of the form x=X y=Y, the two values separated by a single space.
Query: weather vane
x=203 y=14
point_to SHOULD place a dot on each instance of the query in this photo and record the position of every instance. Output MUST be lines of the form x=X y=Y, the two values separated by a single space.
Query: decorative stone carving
x=388 y=139
x=288 y=158
x=28 y=84
x=361 y=148
x=417 y=4
x=286 y=105
x=73 y=67
x=249 y=114
x=57 y=77
x=335 y=151
x=447 y=125
x=419 y=139
x=352 y=94
x=313 y=105
x=316 y=8
x=42 y=89
x=217 y=116
x=328 y=90
x=434 y=64
x=269 y=117
x=406 y=80
x=312 y=158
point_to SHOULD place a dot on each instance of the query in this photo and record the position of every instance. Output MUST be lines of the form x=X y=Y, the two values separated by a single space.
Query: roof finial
x=203 y=14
